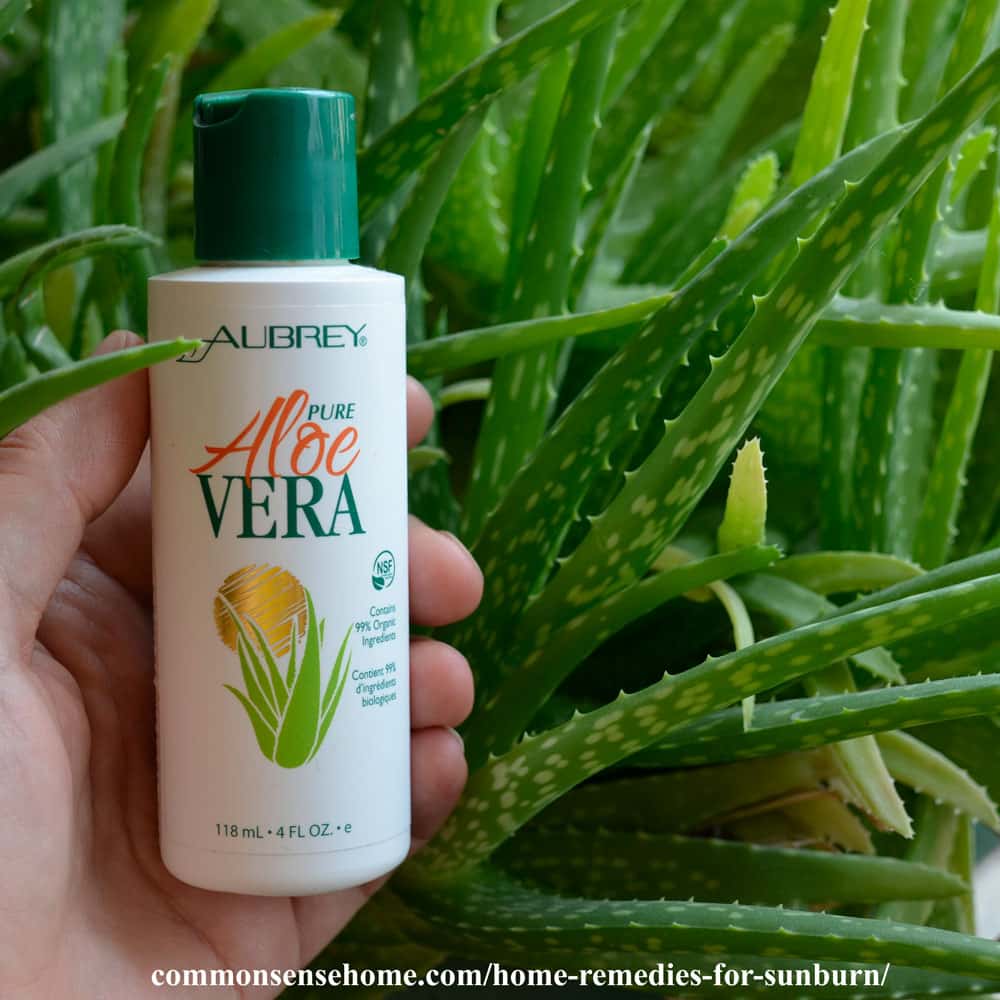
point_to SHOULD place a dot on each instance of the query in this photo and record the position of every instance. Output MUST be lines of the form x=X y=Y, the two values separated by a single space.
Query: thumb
x=57 y=473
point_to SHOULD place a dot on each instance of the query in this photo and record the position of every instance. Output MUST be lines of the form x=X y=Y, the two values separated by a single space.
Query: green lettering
x=308 y=333
x=215 y=512
x=306 y=507
x=281 y=336
x=346 y=505
x=249 y=504
x=224 y=336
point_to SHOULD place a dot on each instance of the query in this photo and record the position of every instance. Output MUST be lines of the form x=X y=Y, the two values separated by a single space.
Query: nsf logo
x=383 y=570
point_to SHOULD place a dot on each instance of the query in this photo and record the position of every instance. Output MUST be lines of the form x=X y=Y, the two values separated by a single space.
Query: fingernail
x=458 y=736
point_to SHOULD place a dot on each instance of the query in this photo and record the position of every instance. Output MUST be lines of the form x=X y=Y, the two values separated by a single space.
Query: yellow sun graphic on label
x=269 y=596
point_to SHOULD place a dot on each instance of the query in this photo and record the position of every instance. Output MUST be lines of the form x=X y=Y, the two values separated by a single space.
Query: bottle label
x=279 y=479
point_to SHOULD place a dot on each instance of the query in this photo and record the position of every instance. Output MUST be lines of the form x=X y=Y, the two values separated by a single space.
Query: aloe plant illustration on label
x=266 y=616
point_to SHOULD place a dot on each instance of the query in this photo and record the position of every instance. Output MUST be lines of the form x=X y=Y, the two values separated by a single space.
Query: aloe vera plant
x=291 y=709
x=651 y=247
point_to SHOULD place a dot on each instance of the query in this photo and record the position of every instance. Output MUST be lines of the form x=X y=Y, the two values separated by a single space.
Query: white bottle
x=279 y=516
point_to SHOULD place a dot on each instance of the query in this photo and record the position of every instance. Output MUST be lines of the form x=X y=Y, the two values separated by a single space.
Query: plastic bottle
x=279 y=516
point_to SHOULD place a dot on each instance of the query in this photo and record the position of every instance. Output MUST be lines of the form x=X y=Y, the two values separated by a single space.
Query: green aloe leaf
x=10 y=13
x=846 y=322
x=685 y=801
x=878 y=77
x=670 y=866
x=706 y=214
x=844 y=572
x=115 y=102
x=424 y=457
x=263 y=732
x=971 y=744
x=962 y=863
x=972 y=158
x=258 y=61
x=753 y=194
x=328 y=716
x=930 y=772
x=704 y=152
x=127 y=177
x=334 y=689
x=791 y=605
x=15 y=367
x=744 y=523
x=45 y=350
x=700 y=31
x=406 y=243
x=647 y=24
x=469 y=347
x=743 y=632
x=293 y=653
x=556 y=653
x=929 y=37
x=168 y=29
x=937 y=828
x=696 y=445
x=126 y=182
x=535 y=142
x=958 y=259
x=81 y=37
x=400 y=233
x=803 y=723
x=18 y=274
x=26 y=222
x=861 y=762
x=410 y=143
x=828 y=105
x=860 y=759
x=100 y=305
x=473 y=914
x=524 y=386
x=389 y=923
x=391 y=90
x=539 y=769
x=973 y=38
x=174 y=31
x=26 y=176
x=21 y=402
x=612 y=203
x=524 y=533
x=251 y=650
x=745 y=517
x=472 y=228
x=466 y=391
x=260 y=698
x=301 y=717
x=974 y=567
x=874 y=108
x=946 y=481
x=335 y=683
x=853 y=322
x=330 y=61
x=895 y=436
x=274 y=676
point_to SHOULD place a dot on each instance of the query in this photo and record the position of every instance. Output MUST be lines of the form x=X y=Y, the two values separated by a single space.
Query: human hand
x=87 y=908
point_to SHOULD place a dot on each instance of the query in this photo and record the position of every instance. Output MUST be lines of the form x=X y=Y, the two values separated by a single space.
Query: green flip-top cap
x=275 y=176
